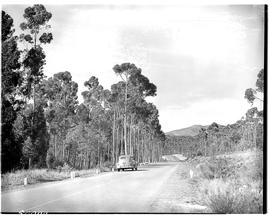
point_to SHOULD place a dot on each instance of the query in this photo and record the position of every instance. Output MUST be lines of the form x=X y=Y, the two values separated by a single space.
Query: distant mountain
x=189 y=131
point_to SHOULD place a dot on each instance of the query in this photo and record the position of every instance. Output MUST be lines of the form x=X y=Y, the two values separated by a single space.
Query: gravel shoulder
x=179 y=194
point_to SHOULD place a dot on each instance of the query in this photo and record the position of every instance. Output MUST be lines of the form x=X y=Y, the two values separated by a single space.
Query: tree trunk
x=125 y=120
x=130 y=133
x=255 y=136
x=63 y=150
x=205 y=147
x=74 y=160
x=98 y=156
x=68 y=156
x=142 y=148
x=89 y=160
x=117 y=144
x=113 y=136
x=29 y=163
x=54 y=145
x=121 y=140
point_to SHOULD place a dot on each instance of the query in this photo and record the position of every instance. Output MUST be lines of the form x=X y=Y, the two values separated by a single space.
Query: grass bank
x=231 y=183
x=15 y=180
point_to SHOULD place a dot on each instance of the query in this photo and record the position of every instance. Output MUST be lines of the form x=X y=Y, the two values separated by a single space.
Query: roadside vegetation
x=230 y=183
x=15 y=180
x=227 y=161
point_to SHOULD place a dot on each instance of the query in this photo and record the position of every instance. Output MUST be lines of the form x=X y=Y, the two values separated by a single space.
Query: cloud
x=201 y=58
x=200 y=55
x=203 y=112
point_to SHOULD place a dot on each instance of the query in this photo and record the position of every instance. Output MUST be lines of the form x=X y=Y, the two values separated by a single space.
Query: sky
x=201 y=58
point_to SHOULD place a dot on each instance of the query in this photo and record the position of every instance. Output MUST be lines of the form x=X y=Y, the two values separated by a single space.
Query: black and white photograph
x=133 y=108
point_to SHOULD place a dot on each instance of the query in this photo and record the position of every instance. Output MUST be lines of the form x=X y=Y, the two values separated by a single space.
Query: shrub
x=237 y=186
x=204 y=170
x=230 y=197
x=108 y=164
x=50 y=159
x=67 y=167
x=221 y=203
x=224 y=167
x=58 y=163
x=199 y=153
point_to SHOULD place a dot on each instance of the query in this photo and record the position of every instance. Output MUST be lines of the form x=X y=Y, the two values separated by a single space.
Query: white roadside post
x=72 y=175
x=191 y=174
x=25 y=181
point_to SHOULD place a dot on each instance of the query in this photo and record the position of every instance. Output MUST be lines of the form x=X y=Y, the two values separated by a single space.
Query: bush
x=224 y=167
x=199 y=153
x=204 y=170
x=58 y=163
x=230 y=197
x=50 y=159
x=108 y=164
x=237 y=186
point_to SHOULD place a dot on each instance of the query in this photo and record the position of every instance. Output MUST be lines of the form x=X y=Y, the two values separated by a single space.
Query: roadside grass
x=15 y=179
x=237 y=185
x=230 y=197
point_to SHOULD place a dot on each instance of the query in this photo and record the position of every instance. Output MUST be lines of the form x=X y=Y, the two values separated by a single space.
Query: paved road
x=128 y=191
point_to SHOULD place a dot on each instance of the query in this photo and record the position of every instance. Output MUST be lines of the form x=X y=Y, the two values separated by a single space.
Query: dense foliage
x=43 y=124
x=11 y=148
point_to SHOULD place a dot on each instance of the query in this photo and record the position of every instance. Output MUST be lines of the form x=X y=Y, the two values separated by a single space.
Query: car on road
x=126 y=162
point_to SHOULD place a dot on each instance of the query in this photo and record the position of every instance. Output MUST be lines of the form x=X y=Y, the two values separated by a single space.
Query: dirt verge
x=178 y=194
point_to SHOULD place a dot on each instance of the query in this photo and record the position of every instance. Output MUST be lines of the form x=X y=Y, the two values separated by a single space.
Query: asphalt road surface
x=128 y=191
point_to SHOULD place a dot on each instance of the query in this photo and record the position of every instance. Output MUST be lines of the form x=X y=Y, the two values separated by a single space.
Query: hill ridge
x=187 y=131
